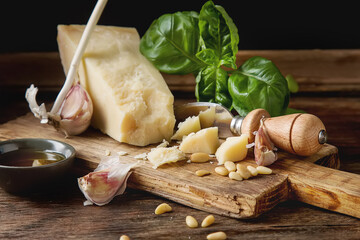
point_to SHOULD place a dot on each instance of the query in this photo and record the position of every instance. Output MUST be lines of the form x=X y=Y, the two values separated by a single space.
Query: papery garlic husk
x=74 y=115
x=264 y=149
x=75 y=112
x=107 y=181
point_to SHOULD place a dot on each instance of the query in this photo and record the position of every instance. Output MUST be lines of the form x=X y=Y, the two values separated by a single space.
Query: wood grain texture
x=329 y=88
x=214 y=193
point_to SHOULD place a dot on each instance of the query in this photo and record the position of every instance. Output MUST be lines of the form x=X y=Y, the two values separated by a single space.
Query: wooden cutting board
x=293 y=177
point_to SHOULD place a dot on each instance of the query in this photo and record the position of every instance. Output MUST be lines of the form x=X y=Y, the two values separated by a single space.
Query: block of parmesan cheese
x=132 y=102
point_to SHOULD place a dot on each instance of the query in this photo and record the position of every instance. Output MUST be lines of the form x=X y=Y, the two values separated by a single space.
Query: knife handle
x=300 y=133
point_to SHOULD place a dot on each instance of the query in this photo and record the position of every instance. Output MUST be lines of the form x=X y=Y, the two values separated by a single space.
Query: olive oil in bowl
x=31 y=164
x=29 y=157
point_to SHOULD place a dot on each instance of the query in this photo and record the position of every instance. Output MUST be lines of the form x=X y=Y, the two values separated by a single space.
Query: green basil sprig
x=202 y=44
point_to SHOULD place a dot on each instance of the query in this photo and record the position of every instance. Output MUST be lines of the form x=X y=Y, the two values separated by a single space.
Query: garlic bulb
x=74 y=115
x=264 y=149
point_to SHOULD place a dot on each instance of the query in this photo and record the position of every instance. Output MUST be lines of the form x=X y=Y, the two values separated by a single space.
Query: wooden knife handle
x=301 y=133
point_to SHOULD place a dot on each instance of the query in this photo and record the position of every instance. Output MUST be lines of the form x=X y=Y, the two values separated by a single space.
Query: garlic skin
x=98 y=188
x=75 y=112
x=107 y=181
x=264 y=149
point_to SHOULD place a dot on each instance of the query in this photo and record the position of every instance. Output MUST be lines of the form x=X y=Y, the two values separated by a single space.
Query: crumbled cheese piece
x=107 y=152
x=205 y=140
x=190 y=125
x=233 y=149
x=163 y=144
x=207 y=117
x=162 y=155
x=142 y=156
x=122 y=153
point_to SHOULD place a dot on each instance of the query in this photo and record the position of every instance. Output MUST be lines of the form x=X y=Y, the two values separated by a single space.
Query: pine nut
x=230 y=166
x=252 y=170
x=222 y=171
x=244 y=172
x=208 y=221
x=199 y=157
x=202 y=172
x=163 y=208
x=263 y=170
x=235 y=176
x=216 y=236
x=191 y=222
x=124 y=237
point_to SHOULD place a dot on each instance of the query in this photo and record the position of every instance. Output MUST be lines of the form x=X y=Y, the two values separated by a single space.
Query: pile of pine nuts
x=240 y=172
x=234 y=171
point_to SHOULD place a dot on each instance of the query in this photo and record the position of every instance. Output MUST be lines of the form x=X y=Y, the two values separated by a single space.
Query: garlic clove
x=74 y=102
x=98 y=188
x=76 y=111
x=74 y=115
x=264 y=149
x=107 y=181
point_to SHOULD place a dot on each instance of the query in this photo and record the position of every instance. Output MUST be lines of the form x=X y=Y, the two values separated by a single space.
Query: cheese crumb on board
x=163 y=155
x=122 y=153
x=132 y=102
x=141 y=156
x=233 y=149
x=163 y=144
x=205 y=140
x=190 y=125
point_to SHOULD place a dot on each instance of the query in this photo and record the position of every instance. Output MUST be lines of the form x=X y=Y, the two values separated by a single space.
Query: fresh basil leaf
x=171 y=43
x=258 y=83
x=219 y=33
x=211 y=86
x=292 y=84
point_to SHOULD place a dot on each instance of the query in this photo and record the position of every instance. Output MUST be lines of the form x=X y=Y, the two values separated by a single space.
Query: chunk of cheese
x=233 y=149
x=191 y=124
x=162 y=155
x=206 y=140
x=207 y=117
x=132 y=102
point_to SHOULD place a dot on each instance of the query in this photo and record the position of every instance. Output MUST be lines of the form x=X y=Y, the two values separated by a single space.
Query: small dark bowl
x=19 y=179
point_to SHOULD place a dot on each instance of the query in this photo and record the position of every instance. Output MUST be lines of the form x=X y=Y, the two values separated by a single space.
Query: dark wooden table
x=329 y=88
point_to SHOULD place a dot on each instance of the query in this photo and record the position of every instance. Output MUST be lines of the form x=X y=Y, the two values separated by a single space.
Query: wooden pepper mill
x=300 y=133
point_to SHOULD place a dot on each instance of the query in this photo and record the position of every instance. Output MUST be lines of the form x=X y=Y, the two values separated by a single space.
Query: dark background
x=28 y=26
